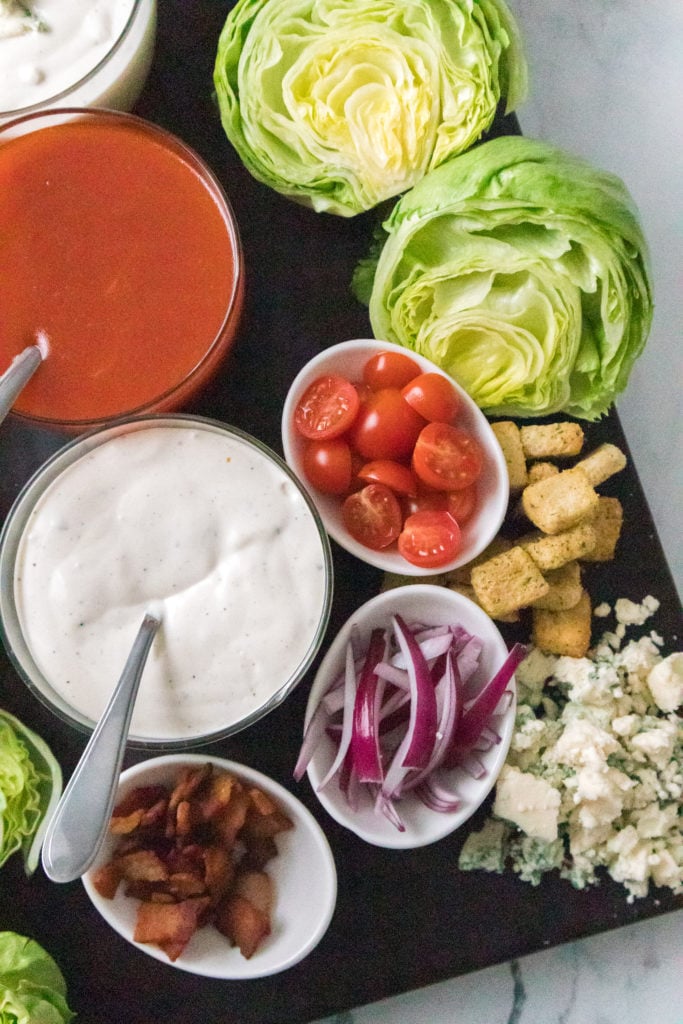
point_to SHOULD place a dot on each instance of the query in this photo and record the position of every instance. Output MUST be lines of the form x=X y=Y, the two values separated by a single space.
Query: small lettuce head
x=30 y=786
x=342 y=104
x=523 y=272
x=32 y=987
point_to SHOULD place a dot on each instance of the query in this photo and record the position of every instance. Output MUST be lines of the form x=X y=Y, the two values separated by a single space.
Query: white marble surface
x=607 y=83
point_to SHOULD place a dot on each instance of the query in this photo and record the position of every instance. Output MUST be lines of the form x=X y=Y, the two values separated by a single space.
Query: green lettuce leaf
x=342 y=104
x=523 y=272
x=30 y=786
x=32 y=987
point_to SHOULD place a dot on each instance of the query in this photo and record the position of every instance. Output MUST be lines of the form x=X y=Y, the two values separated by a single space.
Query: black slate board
x=403 y=919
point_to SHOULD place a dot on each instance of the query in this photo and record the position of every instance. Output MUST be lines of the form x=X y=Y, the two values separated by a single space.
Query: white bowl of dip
x=81 y=53
x=186 y=516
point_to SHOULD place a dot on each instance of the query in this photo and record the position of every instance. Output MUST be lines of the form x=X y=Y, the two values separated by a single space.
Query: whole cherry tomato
x=433 y=396
x=385 y=427
x=389 y=370
x=327 y=465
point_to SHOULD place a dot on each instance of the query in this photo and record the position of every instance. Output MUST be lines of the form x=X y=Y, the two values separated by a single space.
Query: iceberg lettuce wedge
x=32 y=987
x=342 y=104
x=523 y=272
x=30 y=786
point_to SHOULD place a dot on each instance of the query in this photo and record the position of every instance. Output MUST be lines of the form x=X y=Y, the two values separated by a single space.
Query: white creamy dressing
x=50 y=45
x=195 y=525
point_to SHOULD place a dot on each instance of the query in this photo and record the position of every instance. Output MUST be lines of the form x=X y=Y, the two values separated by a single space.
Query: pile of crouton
x=570 y=523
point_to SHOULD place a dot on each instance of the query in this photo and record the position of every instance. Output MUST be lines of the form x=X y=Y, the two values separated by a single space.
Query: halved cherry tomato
x=446 y=457
x=429 y=539
x=389 y=370
x=327 y=408
x=462 y=503
x=394 y=475
x=327 y=465
x=386 y=427
x=373 y=516
x=433 y=396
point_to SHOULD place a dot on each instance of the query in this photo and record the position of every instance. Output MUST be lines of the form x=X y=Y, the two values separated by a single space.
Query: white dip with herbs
x=48 y=46
x=198 y=526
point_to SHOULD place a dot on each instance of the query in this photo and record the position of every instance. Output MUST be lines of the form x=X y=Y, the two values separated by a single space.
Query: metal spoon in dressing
x=20 y=371
x=79 y=824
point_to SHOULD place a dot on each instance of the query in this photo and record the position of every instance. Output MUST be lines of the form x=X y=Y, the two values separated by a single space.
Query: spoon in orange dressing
x=20 y=371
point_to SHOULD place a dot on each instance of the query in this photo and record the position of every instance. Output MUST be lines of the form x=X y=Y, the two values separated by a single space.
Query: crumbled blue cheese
x=594 y=774
x=531 y=803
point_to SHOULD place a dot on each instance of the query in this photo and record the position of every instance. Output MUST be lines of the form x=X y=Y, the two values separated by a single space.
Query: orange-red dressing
x=115 y=247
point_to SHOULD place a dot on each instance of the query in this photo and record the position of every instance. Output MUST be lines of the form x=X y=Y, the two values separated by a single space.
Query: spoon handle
x=78 y=826
x=18 y=373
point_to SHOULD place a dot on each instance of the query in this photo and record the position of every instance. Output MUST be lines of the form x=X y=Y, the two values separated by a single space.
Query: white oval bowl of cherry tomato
x=403 y=466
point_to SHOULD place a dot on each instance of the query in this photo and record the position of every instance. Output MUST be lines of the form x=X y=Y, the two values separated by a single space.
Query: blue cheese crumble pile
x=594 y=775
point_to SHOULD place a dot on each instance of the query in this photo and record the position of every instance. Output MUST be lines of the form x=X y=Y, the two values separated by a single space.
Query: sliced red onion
x=437 y=797
x=477 y=715
x=423 y=717
x=347 y=724
x=449 y=708
x=365 y=749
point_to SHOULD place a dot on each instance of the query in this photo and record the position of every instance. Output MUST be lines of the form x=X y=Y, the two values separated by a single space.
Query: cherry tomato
x=394 y=475
x=389 y=370
x=426 y=500
x=386 y=427
x=429 y=539
x=446 y=457
x=373 y=516
x=327 y=465
x=462 y=503
x=433 y=396
x=327 y=408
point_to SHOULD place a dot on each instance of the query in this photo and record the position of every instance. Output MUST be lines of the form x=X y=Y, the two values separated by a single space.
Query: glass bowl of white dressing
x=194 y=520
x=86 y=53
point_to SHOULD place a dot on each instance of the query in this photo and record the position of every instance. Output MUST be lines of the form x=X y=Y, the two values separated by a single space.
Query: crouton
x=508 y=582
x=463 y=574
x=541 y=471
x=565 y=632
x=606 y=522
x=602 y=463
x=551 y=440
x=552 y=552
x=467 y=590
x=508 y=436
x=561 y=501
x=565 y=588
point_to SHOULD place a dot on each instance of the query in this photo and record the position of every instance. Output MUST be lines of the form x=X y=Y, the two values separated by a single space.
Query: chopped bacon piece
x=169 y=925
x=243 y=924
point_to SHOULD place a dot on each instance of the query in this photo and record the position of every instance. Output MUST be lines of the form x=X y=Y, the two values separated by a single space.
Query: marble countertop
x=606 y=82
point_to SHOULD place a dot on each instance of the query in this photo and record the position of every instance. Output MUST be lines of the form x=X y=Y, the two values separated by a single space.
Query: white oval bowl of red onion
x=452 y=707
x=348 y=360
